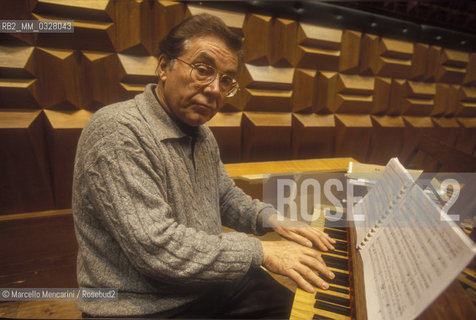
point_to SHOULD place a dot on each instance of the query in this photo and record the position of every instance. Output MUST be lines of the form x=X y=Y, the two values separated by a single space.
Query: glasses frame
x=230 y=93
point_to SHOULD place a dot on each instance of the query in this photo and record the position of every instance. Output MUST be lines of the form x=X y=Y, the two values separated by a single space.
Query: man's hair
x=203 y=24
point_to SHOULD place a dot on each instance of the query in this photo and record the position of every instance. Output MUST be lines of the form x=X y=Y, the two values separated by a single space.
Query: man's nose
x=214 y=86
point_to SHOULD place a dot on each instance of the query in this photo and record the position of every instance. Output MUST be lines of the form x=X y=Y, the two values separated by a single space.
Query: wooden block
x=432 y=64
x=257 y=43
x=414 y=127
x=452 y=66
x=233 y=20
x=470 y=77
x=93 y=24
x=411 y=98
x=318 y=47
x=419 y=61
x=227 y=130
x=283 y=43
x=352 y=94
x=305 y=89
x=446 y=130
x=467 y=102
x=16 y=62
x=394 y=59
x=26 y=179
x=266 y=88
x=138 y=69
x=326 y=82
x=313 y=136
x=368 y=51
x=386 y=138
x=104 y=72
x=62 y=132
x=446 y=100
x=266 y=136
x=20 y=93
x=381 y=95
x=165 y=16
x=350 y=52
x=467 y=138
x=353 y=135
x=60 y=80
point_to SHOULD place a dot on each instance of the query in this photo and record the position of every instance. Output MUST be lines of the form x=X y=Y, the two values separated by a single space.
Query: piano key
x=336 y=234
x=335 y=262
x=332 y=308
x=337 y=289
x=341 y=279
x=339 y=253
x=341 y=246
x=333 y=299
x=318 y=317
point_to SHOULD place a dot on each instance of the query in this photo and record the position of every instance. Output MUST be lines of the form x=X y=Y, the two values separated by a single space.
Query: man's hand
x=296 y=262
x=301 y=233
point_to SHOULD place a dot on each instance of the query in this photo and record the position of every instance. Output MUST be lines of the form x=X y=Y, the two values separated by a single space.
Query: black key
x=333 y=299
x=332 y=308
x=339 y=245
x=336 y=234
x=335 y=262
x=341 y=279
x=340 y=290
x=339 y=253
x=318 y=317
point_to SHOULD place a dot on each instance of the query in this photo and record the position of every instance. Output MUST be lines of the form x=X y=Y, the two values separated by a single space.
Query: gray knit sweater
x=148 y=213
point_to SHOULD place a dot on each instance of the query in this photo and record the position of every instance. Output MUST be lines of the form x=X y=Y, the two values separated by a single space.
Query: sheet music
x=377 y=200
x=412 y=258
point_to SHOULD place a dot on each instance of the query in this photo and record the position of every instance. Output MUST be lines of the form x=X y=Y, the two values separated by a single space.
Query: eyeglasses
x=204 y=74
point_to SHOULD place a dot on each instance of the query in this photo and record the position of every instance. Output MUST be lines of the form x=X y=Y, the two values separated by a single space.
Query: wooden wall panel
x=228 y=132
x=25 y=183
x=313 y=136
x=266 y=134
x=283 y=43
x=353 y=135
x=62 y=132
x=257 y=44
x=386 y=138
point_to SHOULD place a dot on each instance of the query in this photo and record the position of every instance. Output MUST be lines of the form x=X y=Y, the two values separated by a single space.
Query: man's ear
x=162 y=67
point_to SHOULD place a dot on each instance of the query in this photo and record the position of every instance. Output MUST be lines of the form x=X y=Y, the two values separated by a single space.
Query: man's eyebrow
x=206 y=58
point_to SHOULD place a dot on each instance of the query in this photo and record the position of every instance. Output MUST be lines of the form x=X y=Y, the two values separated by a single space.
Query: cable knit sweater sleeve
x=127 y=192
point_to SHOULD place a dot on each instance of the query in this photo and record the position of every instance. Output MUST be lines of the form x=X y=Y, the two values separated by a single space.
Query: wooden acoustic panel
x=305 y=90
x=62 y=132
x=18 y=85
x=351 y=94
x=257 y=43
x=412 y=98
x=467 y=102
x=419 y=61
x=60 y=84
x=226 y=126
x=386 y=57
x=353 y=135
x=266 y=136
x=283 y=43
x=93 y=26
x=325 y=88
x=414 y=127
x=350 y=52
x=386 y=138
x=381 y=95
x=467 y=137
x=452 y=66
x=103 y=73
x=446 y=130
x=313 y=136
x=318 y=47
x=470 y=77
x=233 y=19
x=139 y=71
x=446 y=100
x=25 y=183
x=266 y=88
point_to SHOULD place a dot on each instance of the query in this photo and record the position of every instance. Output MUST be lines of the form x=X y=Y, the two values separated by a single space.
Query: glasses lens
x=202 y=73
x=232 y=91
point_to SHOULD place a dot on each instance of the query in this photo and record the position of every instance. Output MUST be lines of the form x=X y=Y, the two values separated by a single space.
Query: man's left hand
x=301 y=233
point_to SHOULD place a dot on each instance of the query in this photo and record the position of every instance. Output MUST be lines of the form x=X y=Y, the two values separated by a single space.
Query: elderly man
x=150 y=197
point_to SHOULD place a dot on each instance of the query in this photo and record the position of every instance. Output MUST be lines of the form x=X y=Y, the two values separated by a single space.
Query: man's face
x=191 y=103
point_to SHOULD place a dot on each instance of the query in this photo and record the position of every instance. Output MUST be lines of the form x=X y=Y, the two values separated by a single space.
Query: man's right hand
x=296 y=262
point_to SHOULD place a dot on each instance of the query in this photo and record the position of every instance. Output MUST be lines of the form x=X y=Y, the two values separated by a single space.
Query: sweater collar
x=156 y=115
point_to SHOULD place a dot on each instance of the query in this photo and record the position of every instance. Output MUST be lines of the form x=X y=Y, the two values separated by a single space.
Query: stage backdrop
x=307 y=91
